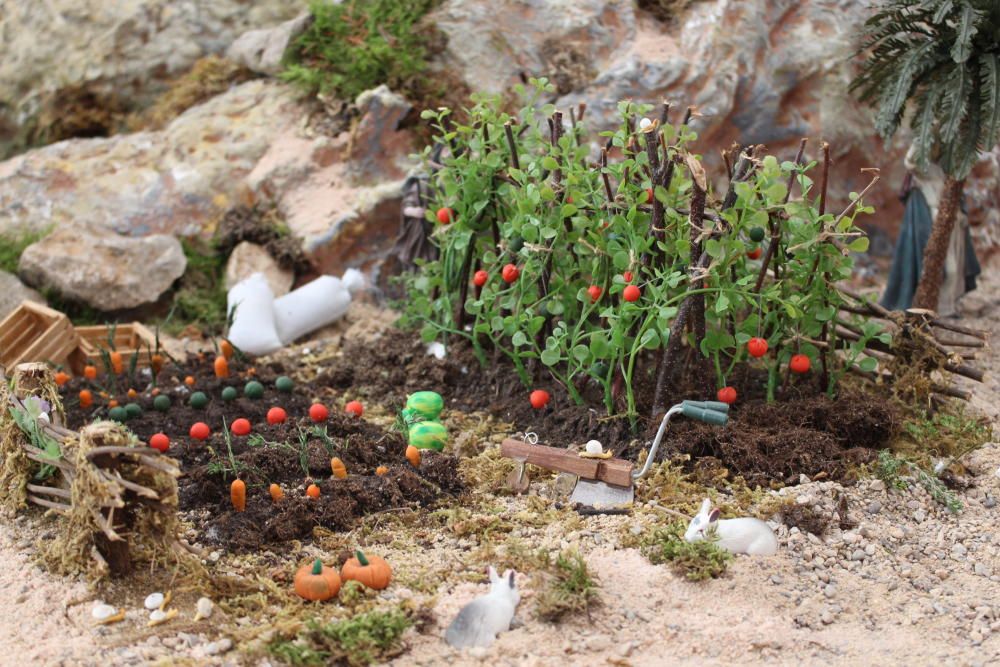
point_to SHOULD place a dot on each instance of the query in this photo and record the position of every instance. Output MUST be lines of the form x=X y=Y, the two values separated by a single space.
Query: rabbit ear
x=714 y=516
x=510 y=578
x=706 y=505
x=493 y=574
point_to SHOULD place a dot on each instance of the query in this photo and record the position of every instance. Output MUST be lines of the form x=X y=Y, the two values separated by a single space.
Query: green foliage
x=13 y=245
x=569 y=588
x=358 y=44
x=943 y=58
x=201 y=297
x=361 y=640
x=27 y=421
x=553 y=220
x=697 y=561
x=891 y=468
x=945 y=434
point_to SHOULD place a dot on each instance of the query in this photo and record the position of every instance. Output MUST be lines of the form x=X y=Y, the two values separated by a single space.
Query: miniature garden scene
x=605 y=332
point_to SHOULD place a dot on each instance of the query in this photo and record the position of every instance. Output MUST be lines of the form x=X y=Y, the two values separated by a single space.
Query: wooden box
x=35 y=332
x=129 y=338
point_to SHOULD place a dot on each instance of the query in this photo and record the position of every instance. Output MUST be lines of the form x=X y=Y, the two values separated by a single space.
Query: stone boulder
x=248 y=258
x=13 y=292
x=106 y=271
x=173 y=181
x=128 y=49
x=262 y=50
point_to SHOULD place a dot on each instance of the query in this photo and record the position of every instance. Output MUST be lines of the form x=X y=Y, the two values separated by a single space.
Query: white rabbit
x=740 y=536
x=478 y=623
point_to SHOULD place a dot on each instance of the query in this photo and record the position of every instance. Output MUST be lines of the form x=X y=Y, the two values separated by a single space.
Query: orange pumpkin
x=338 y=468
x=317 y=581
x=372 y=571
x=312 y=491
x=413 y=456
x=61 y=378
x=381 y=470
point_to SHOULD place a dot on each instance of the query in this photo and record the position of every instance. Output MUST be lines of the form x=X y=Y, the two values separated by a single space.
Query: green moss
x=569 y=588
x=695 y=561
x=201 y=296
x=359 y=44
x=361 y=640
x=13 y=245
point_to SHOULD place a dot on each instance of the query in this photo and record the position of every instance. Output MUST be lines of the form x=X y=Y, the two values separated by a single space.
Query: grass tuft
x=696 y=561
x=362 y=640
x=13 y=245
x=569 y=588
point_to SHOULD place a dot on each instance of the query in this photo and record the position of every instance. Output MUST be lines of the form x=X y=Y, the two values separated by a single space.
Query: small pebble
x=157 y=615
x=777 y=579
x=153 y=601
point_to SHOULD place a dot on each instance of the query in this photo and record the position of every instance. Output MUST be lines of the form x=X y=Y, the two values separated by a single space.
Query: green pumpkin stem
x=361 y=557
x=318 y=567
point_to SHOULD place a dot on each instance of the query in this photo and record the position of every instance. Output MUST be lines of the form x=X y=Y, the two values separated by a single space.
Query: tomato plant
x=609 y=267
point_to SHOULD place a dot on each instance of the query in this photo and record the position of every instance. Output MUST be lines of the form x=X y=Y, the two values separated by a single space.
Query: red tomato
x=649 y=195
x=318 y=412
x=200 y=431
x=159 y=442
x=757 y=347
x=569 y=200
x=240 y=427
x=631 y=293
x=799 y=363
x=445 y=215
x=509 y=273
x=539 y=399
x=727 y=395
x=276 y=416
x=595 y=293
x=355 y=408
x=480 y=278
x=754 y=254
x=627 y=276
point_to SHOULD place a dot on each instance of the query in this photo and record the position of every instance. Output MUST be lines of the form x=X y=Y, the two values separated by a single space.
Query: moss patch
x=568 y=588
x=695 y=561
x=361 y=640
x=13 y=245
x=201 y=297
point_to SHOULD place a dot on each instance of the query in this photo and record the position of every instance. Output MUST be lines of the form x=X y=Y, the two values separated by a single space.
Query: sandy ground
x=910 y=584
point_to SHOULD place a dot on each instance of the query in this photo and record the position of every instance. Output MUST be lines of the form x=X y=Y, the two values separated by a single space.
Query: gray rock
x=249 y=258
x=919 y=516
x=261 y=50
x=858 y=555
x=103 y=270
x=13 y=292
x=874 y=507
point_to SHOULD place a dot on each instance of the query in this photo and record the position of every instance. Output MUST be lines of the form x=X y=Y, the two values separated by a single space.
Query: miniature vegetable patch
x=338 y=468
x=312 y=491
x=229 y=394
x=276 y=493
x=428 y=404
x=413 y=456
x=221 y=367
x=317 y=582
x=757 y=347
x=161 y=403
x=318 y=412
x=253 y=389
x=355 y=408
x=381 y=471
x=198 y=400
x=226 y=348
x=372 y=571
x=799 y=363
x=86 y=398
x=240 y=426
x=284 y=384
x=539 y=399
x=200 y=431
x=160 y=442
x=238 y=494
x=631 y=293
x=428 y=435
x=61 y=378
x=90 y=372
x=727 y=395
x=276 y=416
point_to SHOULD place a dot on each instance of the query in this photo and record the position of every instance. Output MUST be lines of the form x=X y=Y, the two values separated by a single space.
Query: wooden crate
x=35 y=332
x=129 y=338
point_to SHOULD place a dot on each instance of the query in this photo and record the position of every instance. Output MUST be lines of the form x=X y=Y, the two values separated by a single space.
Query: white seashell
x=153 y=601
x=103 y=611
x=205 y=607
x=157 y=615
x=645 y=123
x=594 y=447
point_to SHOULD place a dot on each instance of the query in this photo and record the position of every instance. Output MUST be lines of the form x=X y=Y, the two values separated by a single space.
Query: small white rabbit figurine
x=478 y=623
x=740 y=536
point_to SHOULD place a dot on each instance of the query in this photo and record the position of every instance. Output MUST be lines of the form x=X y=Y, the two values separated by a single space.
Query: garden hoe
x=604 y=495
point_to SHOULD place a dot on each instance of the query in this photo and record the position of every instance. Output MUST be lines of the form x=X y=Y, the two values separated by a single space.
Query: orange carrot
x=238 y=494
x=86 y=398
x=276 y=492
x=132 y=393
x=413 y=456
x=227 y=349
x=112 y=403
x=221 y=367
x=189 y=380
x=117 y=365
x=90 y=372
x=156 y=363
x=312 y=491
x=381 y=470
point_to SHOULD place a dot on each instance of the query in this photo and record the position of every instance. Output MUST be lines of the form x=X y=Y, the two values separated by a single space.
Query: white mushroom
x=153 y=601
x=594 y=447
x=102 y=612
x=157 y=615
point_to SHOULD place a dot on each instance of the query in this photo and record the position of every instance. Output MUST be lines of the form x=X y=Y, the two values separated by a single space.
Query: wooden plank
x=612 y=471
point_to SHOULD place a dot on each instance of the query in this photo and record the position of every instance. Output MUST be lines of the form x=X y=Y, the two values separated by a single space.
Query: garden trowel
x=609 y=489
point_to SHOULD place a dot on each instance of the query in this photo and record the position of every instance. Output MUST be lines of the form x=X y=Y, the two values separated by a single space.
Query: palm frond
x=956 y=101
x=967 y=27
x=989 y=67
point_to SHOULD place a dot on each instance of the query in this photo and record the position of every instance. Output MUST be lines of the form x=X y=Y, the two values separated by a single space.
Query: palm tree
x=942 y=58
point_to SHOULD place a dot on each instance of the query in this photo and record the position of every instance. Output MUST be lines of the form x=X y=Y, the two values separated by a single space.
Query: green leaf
x=599 y=346
x=549 y=163
x=859 y=244
x=868 y=364
x=721 y=304
x=581 y=353
x=519 y=339
x=550 y=357
x=650 y=339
